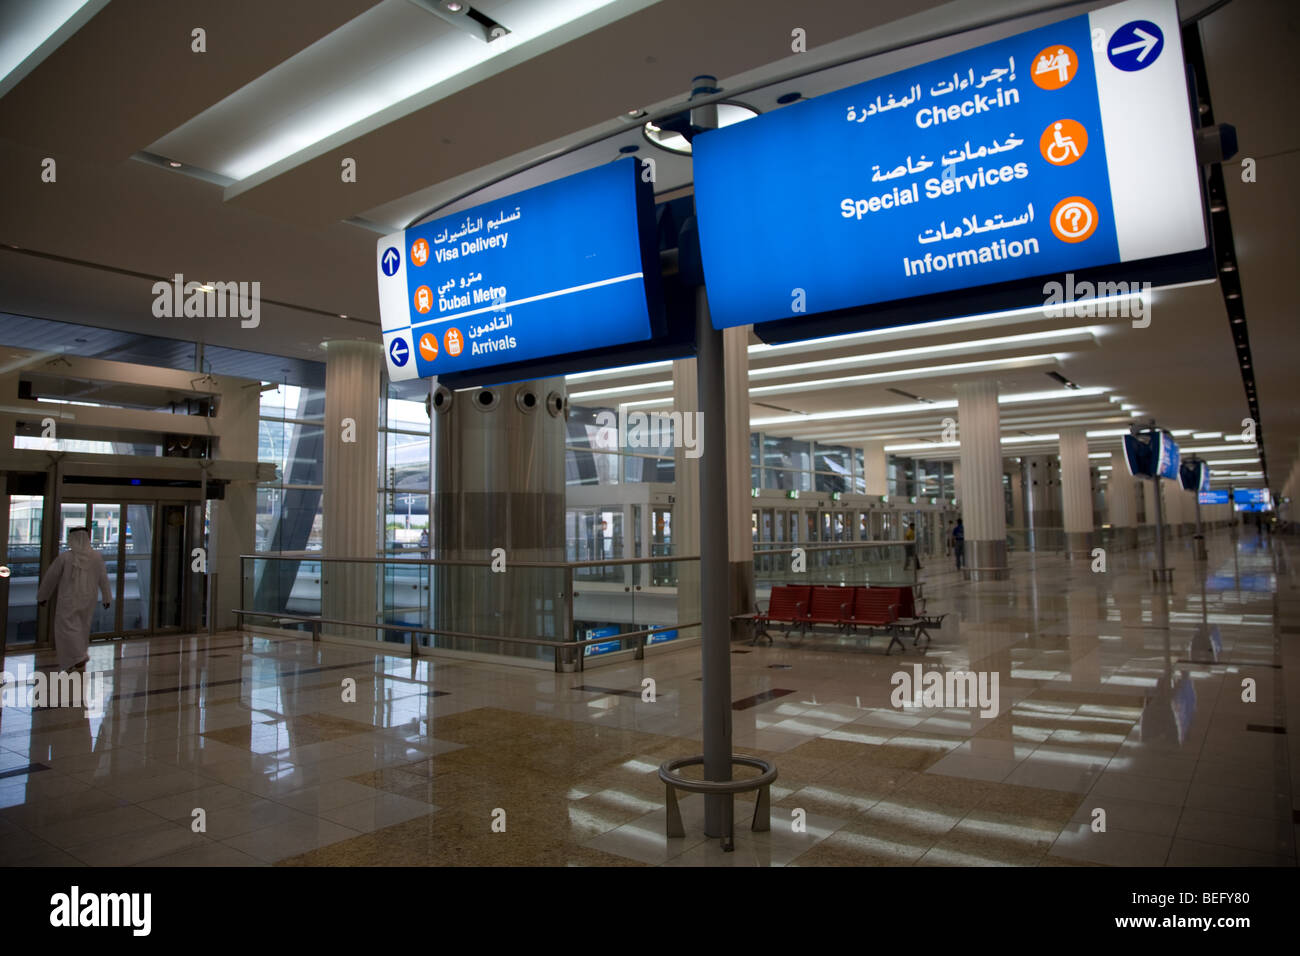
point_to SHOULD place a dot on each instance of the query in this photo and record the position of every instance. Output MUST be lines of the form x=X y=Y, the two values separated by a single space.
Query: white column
x=234 y=517
x=350 y=508
x=1121 y=501
x=875 y=464
x=983 y=508
x=1076 y=492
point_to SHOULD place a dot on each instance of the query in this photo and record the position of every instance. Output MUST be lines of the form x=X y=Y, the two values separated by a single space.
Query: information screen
x=564 y=267
x=1213 y=497
x=1064 y=148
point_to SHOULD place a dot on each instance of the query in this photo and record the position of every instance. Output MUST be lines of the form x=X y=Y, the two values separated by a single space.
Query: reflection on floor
x=1111 y=700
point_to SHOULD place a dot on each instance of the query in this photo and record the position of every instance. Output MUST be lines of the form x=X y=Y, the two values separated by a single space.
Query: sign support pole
x=1160 y=572
x=714 y=606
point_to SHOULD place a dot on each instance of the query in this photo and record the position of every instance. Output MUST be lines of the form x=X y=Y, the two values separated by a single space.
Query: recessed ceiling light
x=451 y=6
x=342 y=316
x=173 y=164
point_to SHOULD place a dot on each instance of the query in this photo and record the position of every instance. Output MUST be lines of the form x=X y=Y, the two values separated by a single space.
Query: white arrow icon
x=390 y=258
x=1146 y=44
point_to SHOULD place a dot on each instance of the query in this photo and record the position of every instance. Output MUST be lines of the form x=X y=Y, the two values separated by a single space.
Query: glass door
x=661 y=545
x=137 y=570
x=172 y=561
x=106 y=538
x=23 y=557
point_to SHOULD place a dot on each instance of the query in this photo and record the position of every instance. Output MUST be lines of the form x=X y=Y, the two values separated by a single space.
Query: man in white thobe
x=76 y=574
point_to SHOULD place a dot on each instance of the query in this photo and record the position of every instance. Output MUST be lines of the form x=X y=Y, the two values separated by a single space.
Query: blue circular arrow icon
x=390 y=261
x=1135 y=46
x=399 y=352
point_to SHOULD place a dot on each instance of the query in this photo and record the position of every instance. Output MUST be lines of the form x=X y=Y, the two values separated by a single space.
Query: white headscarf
x=79 y=545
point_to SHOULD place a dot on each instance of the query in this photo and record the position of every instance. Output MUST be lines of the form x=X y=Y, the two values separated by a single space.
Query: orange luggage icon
x=453 y=342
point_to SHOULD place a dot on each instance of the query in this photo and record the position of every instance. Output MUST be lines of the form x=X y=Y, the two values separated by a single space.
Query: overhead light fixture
x=1078 y=334
x=1019 y=399
x=32 y=31
x=1062 y=379
x=622 y=389
x=1021 y=361
x=464 y=17
x=620 y=370
x=173 y=164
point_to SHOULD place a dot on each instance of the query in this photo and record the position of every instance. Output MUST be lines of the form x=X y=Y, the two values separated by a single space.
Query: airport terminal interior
x=566 y=433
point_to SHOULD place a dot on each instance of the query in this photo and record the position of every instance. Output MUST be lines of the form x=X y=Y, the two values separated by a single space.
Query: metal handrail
x=316 y=620
x=461 y=562
x=784 y=546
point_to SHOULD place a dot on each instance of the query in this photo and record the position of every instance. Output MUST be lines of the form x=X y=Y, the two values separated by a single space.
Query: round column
x=1040 y=477
x=350 y=508
x=983 y=505
x=499 y=497
x=1121 y=501
x=1076 y=493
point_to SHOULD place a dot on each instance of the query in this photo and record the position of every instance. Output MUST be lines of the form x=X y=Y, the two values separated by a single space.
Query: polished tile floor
x=1116 y=704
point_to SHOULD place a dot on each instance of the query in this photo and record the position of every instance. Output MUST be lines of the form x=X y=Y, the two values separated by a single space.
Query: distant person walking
x=424 y=543
x=959 y=544
x=75 y=576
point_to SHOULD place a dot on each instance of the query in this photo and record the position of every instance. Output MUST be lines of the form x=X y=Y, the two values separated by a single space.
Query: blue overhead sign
x=1194 y=475
x=1151 y=454
x=565 y=267
x=1167 y=466
x=1031 y=156
x=1219 y=497
x=1251 y=496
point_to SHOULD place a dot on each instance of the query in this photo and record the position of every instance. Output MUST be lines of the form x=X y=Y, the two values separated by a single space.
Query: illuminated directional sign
x=565 y=267
x=1066 y=148
x=1251 y=499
